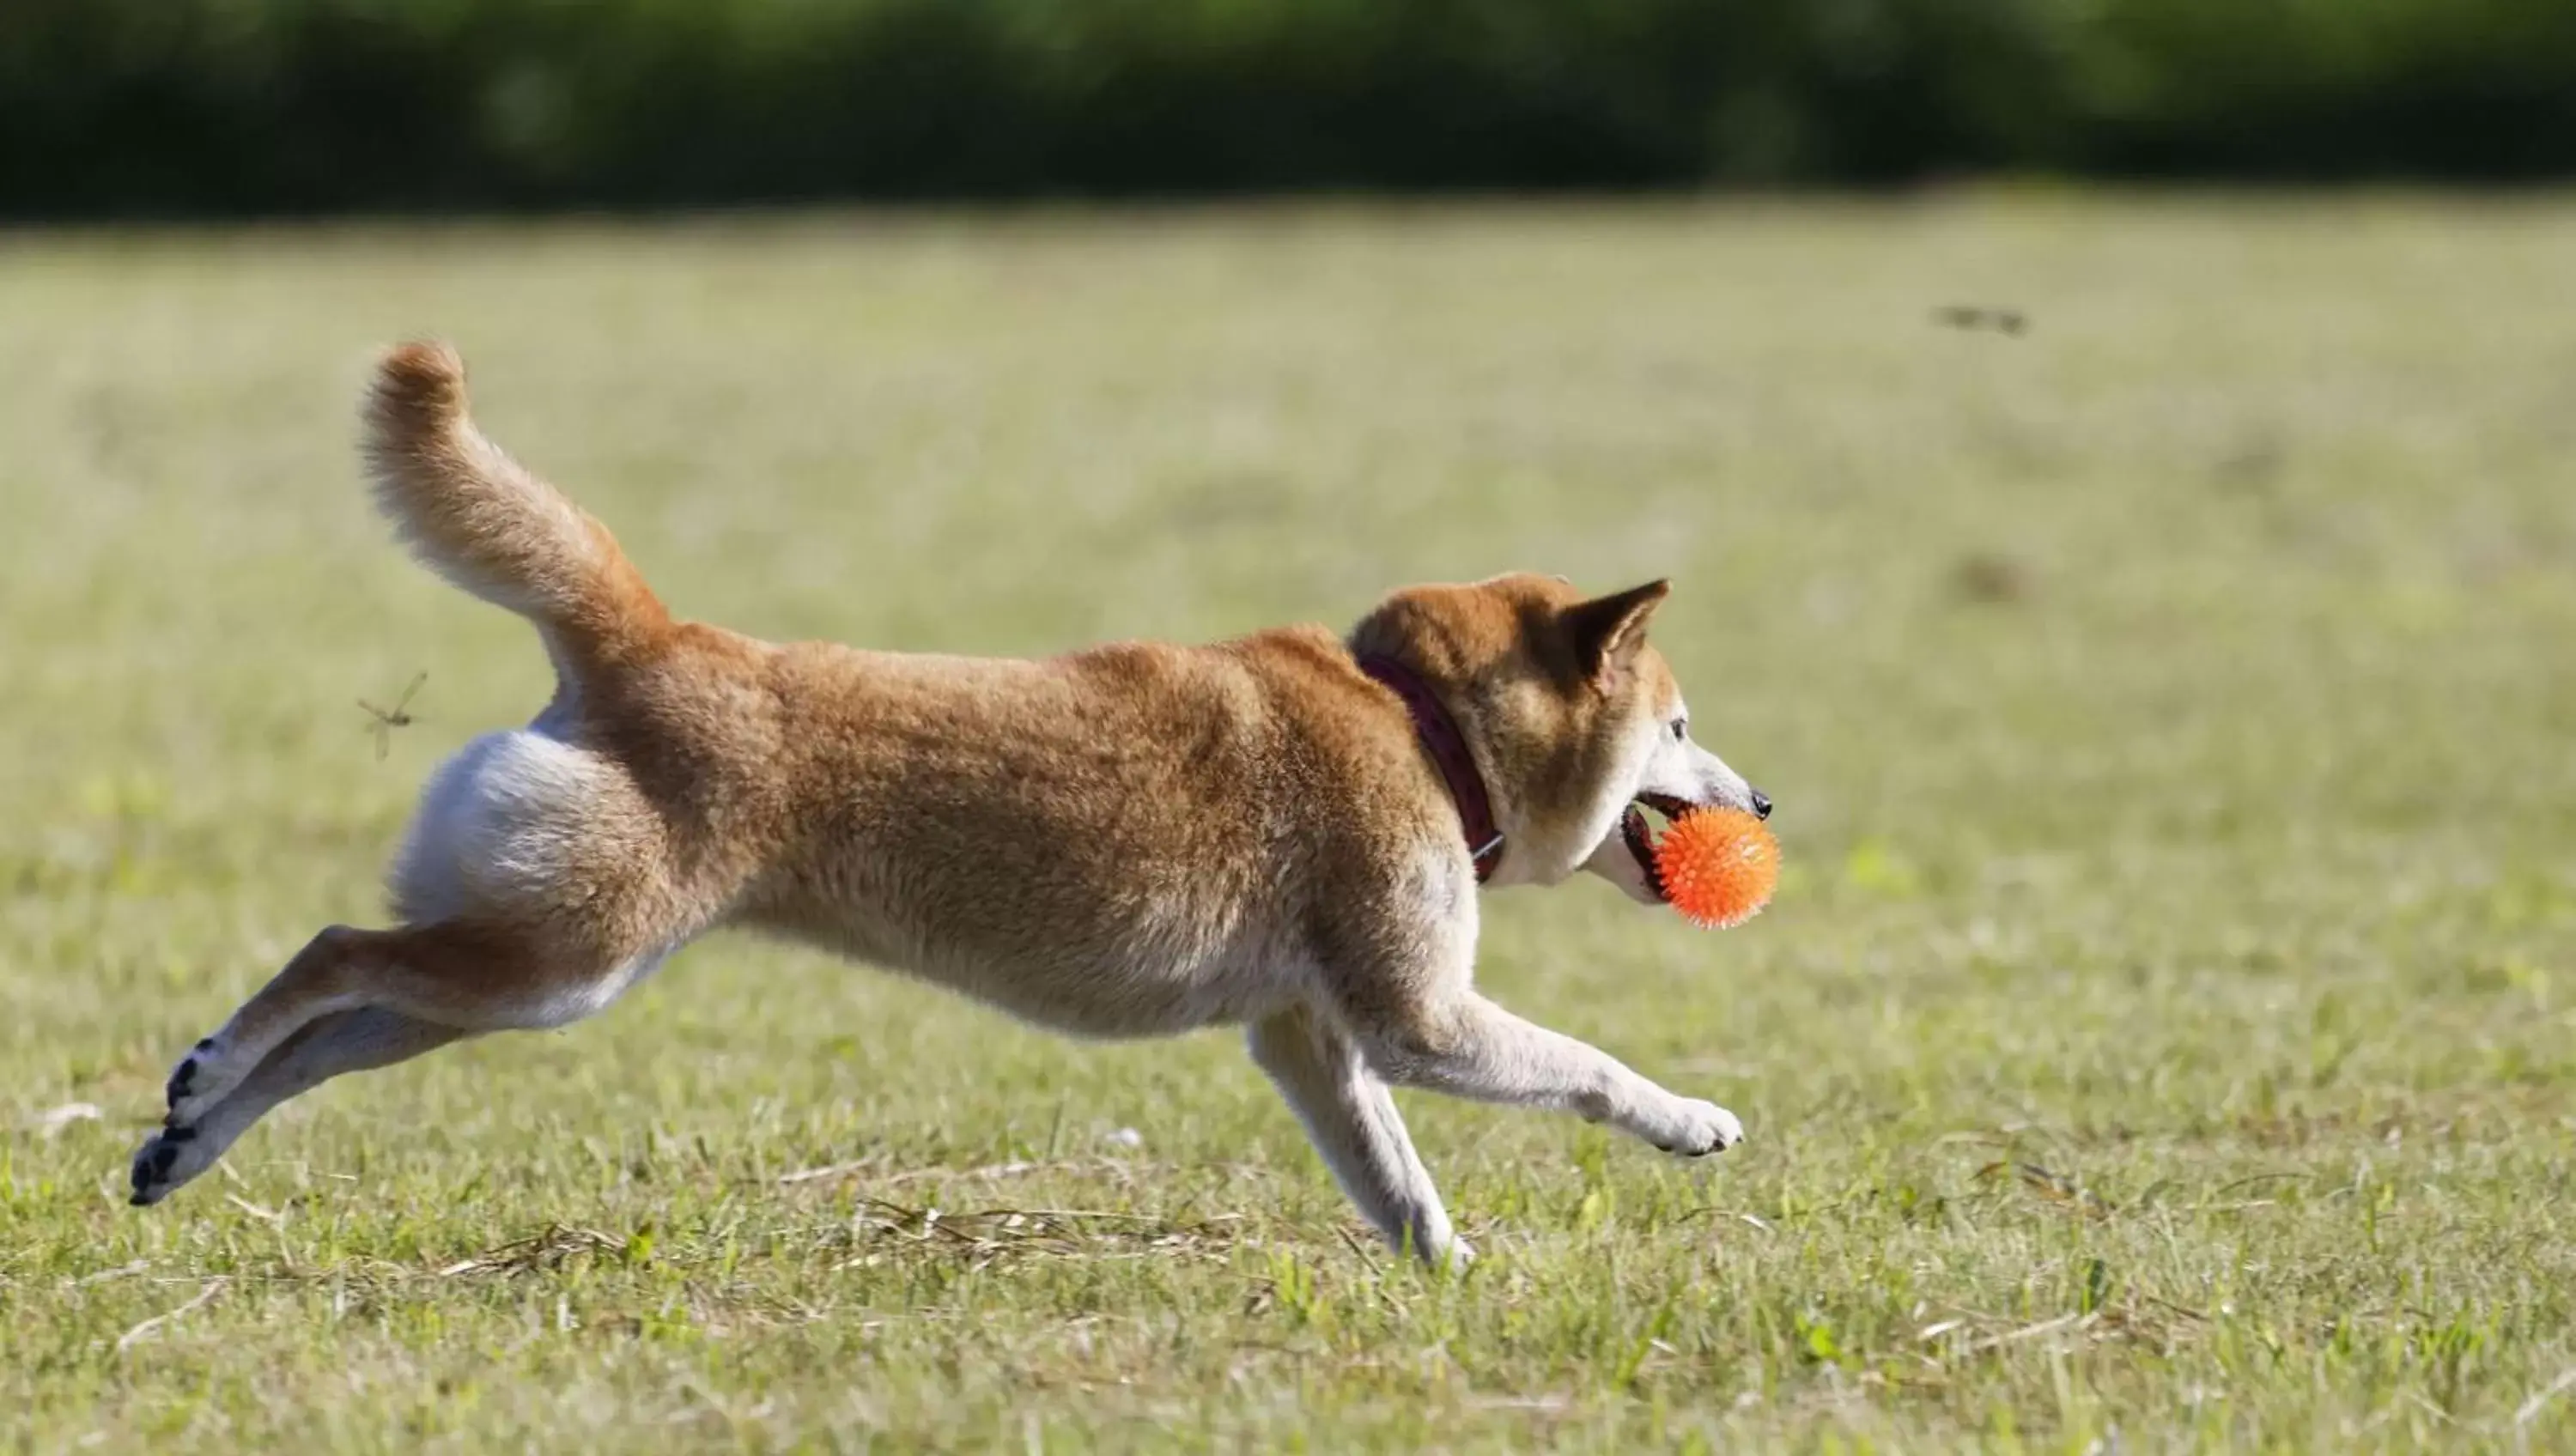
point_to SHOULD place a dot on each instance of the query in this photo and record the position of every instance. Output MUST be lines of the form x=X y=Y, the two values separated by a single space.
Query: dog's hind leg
x=338 y=1042
x=461 y=976
x=315 y=983
x=471 y=978
x=1352 y=1122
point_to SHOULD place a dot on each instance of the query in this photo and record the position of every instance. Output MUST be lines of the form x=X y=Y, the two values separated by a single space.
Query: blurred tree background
x=179 y=107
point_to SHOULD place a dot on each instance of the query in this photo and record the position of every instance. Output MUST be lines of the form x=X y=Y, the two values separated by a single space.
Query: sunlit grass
x=2164 y=1028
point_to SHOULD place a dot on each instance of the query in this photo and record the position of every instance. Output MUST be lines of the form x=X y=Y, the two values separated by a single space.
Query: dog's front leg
x=1353 y=1123
x=1460 y=1043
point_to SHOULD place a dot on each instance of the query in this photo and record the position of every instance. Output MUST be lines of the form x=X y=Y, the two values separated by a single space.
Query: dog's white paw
x=173 y=1156
x=1701 y=1128
x=200 y=1081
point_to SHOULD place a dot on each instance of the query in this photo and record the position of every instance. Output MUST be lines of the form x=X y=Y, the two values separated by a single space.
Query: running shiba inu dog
x=1287 y=831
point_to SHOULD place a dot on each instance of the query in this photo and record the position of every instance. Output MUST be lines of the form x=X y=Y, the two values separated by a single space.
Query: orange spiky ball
x=1718 y=866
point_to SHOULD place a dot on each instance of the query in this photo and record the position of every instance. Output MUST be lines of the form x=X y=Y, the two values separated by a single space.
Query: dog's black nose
x=1761 y=804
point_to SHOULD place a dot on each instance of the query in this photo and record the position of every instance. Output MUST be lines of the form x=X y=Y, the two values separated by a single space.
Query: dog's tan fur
x=1133 y=840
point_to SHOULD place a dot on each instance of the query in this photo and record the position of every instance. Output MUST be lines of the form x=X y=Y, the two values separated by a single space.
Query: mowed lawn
x=2165 y=1036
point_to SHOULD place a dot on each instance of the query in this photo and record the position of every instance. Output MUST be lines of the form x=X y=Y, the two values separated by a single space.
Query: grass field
x=2166 y=1035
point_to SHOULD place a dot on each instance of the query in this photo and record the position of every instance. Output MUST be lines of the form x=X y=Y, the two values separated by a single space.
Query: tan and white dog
x=1134 y=840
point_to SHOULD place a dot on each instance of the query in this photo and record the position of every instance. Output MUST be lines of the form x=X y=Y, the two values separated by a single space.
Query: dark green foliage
x=123 y=106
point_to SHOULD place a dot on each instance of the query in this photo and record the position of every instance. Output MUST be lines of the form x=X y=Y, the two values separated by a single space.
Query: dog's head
x=1574 y=720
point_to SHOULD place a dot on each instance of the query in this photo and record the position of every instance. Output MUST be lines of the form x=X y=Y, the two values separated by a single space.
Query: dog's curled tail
x=481 y=520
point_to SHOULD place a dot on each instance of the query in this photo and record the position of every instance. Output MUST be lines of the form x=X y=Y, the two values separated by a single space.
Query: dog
x=1287 y=831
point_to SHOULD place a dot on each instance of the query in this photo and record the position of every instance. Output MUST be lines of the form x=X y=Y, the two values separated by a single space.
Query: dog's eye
x=1681 y=729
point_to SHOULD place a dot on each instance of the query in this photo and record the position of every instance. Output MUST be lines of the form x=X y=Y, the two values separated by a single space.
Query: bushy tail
x=480 y=519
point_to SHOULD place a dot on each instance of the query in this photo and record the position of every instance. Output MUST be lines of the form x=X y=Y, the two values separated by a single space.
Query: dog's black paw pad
x=152 y=1170
x=180 y=1135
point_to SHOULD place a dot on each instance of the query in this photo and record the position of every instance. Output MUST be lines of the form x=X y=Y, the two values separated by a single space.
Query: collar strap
x=1447 y=749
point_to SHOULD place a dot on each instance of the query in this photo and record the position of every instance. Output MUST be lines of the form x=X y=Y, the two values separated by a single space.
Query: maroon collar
x=1448 y=749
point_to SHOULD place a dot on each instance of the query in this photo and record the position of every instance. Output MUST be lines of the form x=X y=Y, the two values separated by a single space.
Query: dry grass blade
x=832 y=1170
x=2032 y=1332
x=1062 y=1232
x=121 y=1271
x=545 y=1249
x=144 y=1330
x=2050 y=1186
x=1122 y=1169
x=51 y=1122
x=2530 y=1410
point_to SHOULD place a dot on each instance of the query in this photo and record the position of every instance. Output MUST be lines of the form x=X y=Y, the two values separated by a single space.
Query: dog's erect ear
x=1608 y=631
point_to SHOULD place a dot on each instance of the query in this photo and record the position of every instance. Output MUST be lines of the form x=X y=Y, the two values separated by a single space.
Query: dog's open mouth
x=1641 y=832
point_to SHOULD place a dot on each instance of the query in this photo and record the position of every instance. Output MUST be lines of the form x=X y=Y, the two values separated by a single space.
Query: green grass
x=2167 y=1030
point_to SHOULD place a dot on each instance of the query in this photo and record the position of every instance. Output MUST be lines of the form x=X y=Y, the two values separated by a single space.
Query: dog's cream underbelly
x=1138 y=979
